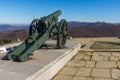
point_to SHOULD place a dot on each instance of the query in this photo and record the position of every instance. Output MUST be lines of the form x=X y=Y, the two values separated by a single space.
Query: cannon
x=40 y=31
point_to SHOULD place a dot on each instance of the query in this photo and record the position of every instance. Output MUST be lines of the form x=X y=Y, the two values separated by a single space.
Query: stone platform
x=43 y=65
x=90 y=65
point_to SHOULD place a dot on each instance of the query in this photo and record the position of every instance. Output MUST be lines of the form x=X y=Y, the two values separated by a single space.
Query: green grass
x=105 y=45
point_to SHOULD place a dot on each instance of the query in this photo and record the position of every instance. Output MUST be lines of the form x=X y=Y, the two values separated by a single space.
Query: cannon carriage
x=40 y=31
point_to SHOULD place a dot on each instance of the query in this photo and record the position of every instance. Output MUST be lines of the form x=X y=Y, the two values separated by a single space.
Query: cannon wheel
x=33 y=26
x=62 y=34
x=22 y=58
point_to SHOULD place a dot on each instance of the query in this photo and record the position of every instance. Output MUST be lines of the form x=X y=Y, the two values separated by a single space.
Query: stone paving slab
x=42 y=58
x=115 y=73
x=90 y=64
x=82 y=78
x=63 y=77
x=106 y=64
x=84 y=72
x=101 y=73
x=68 y=71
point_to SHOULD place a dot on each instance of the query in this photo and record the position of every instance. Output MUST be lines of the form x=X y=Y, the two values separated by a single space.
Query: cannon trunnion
x=40 y=30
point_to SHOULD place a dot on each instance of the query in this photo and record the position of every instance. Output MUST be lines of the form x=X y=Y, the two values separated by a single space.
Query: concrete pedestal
x=43 y=65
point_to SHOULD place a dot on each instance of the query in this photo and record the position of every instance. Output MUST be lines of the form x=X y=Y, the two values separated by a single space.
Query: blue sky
x=22 y=11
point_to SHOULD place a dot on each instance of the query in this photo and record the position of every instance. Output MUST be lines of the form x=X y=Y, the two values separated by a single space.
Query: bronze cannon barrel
x=56 y=14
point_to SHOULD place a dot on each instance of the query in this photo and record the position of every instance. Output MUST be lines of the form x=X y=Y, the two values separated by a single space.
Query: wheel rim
x=62 y=34
x=33 y=26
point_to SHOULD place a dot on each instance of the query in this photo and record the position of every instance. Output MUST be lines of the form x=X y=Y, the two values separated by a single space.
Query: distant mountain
x=75 y=29
x=97 y=29
x=14 y=34
x=7 y=27
x=90 y=24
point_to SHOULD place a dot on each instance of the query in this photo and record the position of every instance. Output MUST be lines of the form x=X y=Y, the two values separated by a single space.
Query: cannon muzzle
x=56 y=14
